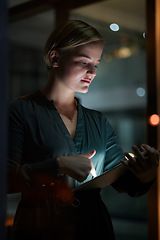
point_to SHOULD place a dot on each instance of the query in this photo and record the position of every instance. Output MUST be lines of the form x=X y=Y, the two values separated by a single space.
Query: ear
x=54 y=58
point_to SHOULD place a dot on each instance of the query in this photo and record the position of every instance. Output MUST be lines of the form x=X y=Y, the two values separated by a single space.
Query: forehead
x=91 y=50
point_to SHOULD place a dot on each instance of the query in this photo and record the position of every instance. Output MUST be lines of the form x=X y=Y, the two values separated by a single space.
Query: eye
x=83 y=63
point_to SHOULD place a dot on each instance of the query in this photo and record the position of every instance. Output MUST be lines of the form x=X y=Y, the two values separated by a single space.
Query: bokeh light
x=114 y=27
x=154 y=120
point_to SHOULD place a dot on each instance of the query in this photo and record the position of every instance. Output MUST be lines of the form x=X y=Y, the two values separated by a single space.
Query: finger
x=139 y=155
x=129 y=166
x=148 y=149
x=131 y=161
x=125 y=163
x=133 y=164
x=93 y=171
x=152 y=153
x=90 y=154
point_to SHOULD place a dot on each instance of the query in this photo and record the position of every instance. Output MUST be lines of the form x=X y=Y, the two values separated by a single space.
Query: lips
x=86 y=80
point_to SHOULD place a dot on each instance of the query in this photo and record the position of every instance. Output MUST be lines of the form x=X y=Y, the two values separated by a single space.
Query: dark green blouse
x=37 y=135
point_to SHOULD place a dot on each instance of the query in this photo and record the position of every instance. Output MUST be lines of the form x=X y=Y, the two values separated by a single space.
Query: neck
x=57 y=91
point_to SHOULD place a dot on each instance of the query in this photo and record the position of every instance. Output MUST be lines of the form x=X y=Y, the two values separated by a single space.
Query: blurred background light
x=114 y=27
x=140 y=92
x=154 y=120
x=123 y=52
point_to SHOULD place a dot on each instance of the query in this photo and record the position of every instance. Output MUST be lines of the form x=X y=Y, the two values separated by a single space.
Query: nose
x=91 y=70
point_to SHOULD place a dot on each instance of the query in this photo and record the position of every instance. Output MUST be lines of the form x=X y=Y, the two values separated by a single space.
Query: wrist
x=60 y=167
x=148 y=178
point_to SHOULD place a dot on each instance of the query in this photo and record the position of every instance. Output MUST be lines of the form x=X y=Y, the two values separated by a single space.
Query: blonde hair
x=74 y=33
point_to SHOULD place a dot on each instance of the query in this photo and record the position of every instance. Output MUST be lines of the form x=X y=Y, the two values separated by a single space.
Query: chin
x=84 y=90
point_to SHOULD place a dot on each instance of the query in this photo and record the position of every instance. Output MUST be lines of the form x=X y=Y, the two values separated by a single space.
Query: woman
x=56 y=144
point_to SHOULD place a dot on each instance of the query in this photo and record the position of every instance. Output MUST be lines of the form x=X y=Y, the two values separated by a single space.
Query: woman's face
x=77 y=68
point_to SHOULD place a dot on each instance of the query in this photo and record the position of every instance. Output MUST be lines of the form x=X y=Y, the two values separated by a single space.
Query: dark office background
x=119 y=90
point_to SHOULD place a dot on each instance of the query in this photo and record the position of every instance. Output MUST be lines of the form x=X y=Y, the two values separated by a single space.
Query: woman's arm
x=144 y=164
x=142 y=172
x=22 y=176
x=138 y=178
x=77 y=166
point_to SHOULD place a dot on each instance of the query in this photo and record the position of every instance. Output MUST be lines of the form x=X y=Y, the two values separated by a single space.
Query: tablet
x=105 y=179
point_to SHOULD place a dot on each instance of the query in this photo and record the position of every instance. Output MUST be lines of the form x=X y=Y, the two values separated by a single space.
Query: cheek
x=73 y=70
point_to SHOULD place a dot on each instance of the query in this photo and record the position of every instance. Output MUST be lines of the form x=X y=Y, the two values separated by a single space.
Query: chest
x=49 y=134
x=70 y=124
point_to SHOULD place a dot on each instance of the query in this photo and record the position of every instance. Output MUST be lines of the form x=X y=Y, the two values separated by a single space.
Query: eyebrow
x=83 y=55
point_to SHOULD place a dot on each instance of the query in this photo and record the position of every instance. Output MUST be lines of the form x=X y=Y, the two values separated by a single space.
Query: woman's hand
x=77 y=166
x=144 y=164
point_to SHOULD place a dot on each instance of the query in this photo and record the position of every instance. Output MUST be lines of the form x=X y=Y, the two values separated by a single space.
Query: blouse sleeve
x=128 y=183
x=16 y=132
x=114 y=152
x=18 y=171
x=131 y=185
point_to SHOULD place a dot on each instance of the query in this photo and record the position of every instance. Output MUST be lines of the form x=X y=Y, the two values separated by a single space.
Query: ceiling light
x=140 y=92
x=123 y=52
x=114 y=27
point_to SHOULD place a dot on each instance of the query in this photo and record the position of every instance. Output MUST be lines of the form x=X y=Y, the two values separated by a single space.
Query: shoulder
x=23 y=101
x=21 y=107
x=16 y=103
